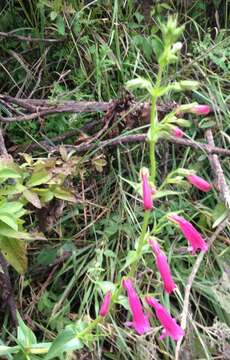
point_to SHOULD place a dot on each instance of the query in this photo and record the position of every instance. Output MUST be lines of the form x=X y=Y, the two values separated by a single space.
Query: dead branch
x=218 y=172
x=43 y=108
x=121 y=140
x=7 y=35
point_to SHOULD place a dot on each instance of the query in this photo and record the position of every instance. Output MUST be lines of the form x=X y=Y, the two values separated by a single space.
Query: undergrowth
x=73 y=260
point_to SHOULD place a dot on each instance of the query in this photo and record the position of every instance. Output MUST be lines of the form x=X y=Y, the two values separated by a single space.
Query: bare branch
x=218 y=172
x=29 y=38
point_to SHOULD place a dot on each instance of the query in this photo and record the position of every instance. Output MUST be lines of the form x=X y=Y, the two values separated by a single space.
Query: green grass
x=103 y=45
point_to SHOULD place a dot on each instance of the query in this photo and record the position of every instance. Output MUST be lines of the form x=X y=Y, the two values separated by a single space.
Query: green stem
x=153 y=128
x=140 y=244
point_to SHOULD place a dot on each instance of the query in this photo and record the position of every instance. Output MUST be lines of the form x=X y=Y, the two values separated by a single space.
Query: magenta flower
x=199 y=183
x=171 y=328
x=163 y=267
x=140 y=321
x=146 y=190
x=104 y=309
x=177 y=132
x=190 y=233
x=201 y=109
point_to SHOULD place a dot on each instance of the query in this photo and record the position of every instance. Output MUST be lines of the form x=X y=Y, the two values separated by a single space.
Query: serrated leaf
x=14 y=251
x=60 y=25
x=33 y=198
x=99 y=163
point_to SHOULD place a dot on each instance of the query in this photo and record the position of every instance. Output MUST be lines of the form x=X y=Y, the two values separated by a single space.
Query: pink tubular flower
x=104 y=309
x=146 y=190
x=140 y=321
x=163 y=267
x=177 y=132
x=199 y=183
x=201 y=109
x=190 y=233
x=171 y=328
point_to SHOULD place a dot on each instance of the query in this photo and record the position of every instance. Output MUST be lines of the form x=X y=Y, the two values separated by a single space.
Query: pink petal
x=146 y=191
x=171 y=328
x=177 y=132
x=200 y=183
x=140 y=319
x=163 y=267
x=190 y=233
x=201 y=109
x=105 y=305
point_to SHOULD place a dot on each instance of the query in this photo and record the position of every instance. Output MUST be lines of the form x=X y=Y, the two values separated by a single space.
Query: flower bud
x=177 y=132
x=146 y=190
x=105 y=305
x=201 y=109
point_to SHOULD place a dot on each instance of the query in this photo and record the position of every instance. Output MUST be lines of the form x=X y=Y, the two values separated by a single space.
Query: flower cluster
x=140 y=320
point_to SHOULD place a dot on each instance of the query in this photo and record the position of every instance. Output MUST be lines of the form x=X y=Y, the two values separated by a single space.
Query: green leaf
x=130 y=258
x=9 y=220
x=160 y=194
x=33 y=198
x=8 y=232
x=6 y=350
x=14 y=251
x=10 y=207
x=74 y=344
x=53 y=15
x=12 y=189
x=106 y=286
x=25 y=335
x=9 y=173
x=60 y=25
x=157 y=46
x=139 y=83
x=63 y=194
x=39 y=178
x=59 y=343
x=220 y=212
